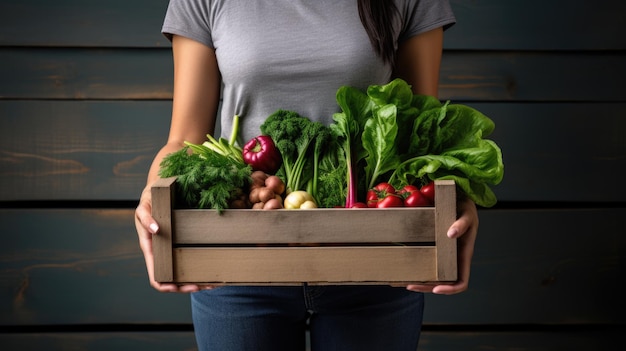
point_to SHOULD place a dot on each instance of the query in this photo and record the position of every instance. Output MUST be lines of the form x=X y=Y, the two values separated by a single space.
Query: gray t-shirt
x=292 y=54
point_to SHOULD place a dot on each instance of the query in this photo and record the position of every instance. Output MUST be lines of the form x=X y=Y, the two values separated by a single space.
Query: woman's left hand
x=465 y=228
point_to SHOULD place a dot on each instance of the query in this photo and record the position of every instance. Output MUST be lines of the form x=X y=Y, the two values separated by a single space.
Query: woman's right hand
x=146 y=228
x=196 y=98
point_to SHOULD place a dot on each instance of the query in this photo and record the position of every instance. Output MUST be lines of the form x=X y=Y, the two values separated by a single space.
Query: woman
x=294 y=55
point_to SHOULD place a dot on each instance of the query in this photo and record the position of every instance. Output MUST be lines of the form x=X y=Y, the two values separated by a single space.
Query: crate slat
x=321 y=225
x=314 y=265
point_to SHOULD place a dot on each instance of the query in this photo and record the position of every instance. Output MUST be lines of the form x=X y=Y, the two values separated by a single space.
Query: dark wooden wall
x=85 y=89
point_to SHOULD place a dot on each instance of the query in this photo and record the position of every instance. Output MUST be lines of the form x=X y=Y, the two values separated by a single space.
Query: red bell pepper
x=262 y=155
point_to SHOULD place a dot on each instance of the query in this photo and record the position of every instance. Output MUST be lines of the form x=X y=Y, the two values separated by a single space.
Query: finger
x=459 y=286
x=467 y=221
x=165 y=287
x=423 y=288
x=144 y=217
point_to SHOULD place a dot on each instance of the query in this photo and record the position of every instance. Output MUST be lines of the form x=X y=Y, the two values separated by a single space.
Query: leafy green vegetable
x=227 y=148
x=356 y=108
x=404 y=138
x=379 y=140
x=332 y=182
x=209 y=175
x=302 y=144
x=207 y=180
x=449 y=144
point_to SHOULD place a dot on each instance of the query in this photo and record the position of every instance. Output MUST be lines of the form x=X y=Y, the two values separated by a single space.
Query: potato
x=254 y=196
x=275 y=183
x=258 y=179
x=273 y=204
x=266 y=194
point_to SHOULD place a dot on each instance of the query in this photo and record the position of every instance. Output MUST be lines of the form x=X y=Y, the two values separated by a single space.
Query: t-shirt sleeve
x=188 y=18
x=424 y=15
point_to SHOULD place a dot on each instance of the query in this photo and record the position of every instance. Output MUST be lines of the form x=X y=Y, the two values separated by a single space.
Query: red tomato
x=385 y=188
x=359 y=205
x=371 y=198
x=416 y=199
x=408 y=189
x=428 y=190
x=383 y=195
x=391 y=200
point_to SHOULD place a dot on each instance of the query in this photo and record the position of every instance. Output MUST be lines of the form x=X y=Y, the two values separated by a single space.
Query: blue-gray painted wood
x=104 y=341
x=85 y=91
x=101 y=150
x=481 y=24
x=83 y=266
x=521 y=340
x=79 y=73
x=74 y=266
x=537 y=25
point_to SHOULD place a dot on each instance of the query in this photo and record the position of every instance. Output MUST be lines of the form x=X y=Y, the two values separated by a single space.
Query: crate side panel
x=304 y=226
x=311 y=264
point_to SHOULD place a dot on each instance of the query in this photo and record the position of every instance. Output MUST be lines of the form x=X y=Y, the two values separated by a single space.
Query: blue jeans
x=364 y=318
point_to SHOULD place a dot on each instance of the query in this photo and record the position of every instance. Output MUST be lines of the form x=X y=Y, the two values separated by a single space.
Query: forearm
x=153 y=172
x=419 y=62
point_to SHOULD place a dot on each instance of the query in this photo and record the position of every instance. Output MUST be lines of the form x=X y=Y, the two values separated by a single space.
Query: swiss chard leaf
x=356 y=108
x=432 y=140
x=379 y=140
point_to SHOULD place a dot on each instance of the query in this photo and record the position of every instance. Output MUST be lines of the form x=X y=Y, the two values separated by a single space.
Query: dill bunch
x=208 y=181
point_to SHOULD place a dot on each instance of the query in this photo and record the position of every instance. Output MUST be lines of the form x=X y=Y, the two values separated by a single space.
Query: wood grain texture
x=83 y=74
x=445 y=215
x=78 y=150
x=481 y=24
x=101 y=150
x=85 y=89
x=314 y=265
x=162 y=201
x=534 y=266
x=74 y=266
x=104 y=341
x=537 y=25
x=122 y=73
x=318 y=246
x=114 y=23
x=520 y=340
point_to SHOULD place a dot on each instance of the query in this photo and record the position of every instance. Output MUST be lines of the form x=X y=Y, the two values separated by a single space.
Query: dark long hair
x=377 y=17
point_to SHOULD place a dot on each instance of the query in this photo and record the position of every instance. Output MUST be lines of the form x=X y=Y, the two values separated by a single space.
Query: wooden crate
x=317 y=246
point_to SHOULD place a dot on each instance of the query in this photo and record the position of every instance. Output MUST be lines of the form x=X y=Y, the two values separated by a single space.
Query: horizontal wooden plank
x=552 y=150
x=316 y=265
x=537 y=25
x=73 y=73
x=101 y=150
x=76 y=73
x=78 y=267
x=484 y=24
x=114 y=23
x=532 y=76
x=521 y=340
x=536 y=266
x=80 y=151
x=322 y=225
x=105 y=341
x=530 y=267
